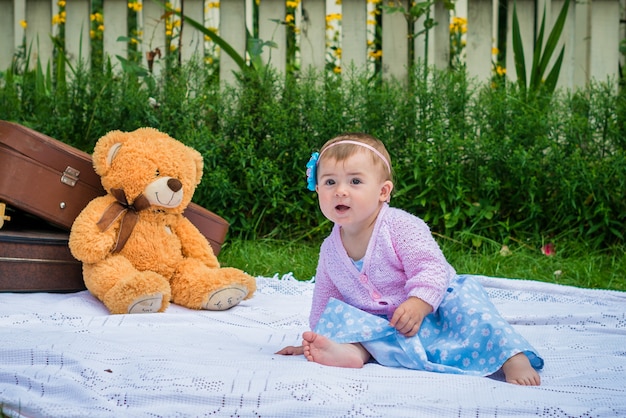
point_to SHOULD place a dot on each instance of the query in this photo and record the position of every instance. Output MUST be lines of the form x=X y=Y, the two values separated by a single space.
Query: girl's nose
x=341 y=191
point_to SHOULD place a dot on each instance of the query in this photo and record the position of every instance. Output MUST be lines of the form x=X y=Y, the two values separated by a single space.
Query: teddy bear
x=138 y=251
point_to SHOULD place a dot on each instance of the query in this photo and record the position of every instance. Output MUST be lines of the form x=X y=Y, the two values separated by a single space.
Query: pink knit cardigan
x=402 y=260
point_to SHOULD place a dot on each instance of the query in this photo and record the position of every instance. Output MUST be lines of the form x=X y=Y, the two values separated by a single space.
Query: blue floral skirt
x=465 y=335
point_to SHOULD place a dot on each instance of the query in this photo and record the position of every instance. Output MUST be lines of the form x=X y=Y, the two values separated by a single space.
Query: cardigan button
x=363 y=278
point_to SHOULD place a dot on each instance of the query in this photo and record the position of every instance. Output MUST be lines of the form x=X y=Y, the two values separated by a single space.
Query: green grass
x=573 y=265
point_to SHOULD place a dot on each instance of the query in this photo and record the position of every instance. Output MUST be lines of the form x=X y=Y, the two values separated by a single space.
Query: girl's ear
x=385 y=191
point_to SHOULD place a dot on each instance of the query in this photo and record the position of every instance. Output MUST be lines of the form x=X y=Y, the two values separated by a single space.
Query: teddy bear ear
x=112 y=152
x=105 y=150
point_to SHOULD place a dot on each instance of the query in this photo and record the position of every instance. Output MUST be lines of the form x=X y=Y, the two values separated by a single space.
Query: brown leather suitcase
x=212 y=226
x=54 y=181
x=43 y=176
x=34 y=257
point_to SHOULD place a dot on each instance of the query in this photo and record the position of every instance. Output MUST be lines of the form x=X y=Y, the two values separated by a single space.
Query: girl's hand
x=291 y=351
x=408 y=317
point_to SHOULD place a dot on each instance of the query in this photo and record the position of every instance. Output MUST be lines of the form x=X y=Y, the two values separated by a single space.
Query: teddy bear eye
x=157 y=173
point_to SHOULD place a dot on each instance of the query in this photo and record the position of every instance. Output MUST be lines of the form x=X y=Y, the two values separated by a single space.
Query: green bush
x=477 y=161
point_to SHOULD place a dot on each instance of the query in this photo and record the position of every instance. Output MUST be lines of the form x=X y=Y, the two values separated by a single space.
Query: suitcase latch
x=3 y=217
x=70 y=176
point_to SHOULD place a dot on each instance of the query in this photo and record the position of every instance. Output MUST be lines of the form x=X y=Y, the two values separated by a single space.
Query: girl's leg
x=517 y=370
x=322 y=350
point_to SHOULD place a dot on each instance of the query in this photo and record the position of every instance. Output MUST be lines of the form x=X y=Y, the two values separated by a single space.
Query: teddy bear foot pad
x=225 y=298
x=146 y=304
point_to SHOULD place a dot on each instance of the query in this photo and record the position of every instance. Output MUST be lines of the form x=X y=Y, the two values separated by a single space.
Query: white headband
x=371 y=148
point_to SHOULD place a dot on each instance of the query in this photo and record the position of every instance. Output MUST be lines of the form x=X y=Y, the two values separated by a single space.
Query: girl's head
x=352 y=176
x=346 y=145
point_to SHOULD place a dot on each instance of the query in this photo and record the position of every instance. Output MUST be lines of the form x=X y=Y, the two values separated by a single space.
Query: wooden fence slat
x=604 y=48
x=440 y=38
x=192 y=40
x=354 y=34
x=8 y=33
x=270 y=31
x=115 y=14
x=153 y=34
x=77 y=40
x=479 y=34
x=395 y=46
x=233 y=31
x=578 y=61
x=313 y=35
x=39 y=18
x=526 y=18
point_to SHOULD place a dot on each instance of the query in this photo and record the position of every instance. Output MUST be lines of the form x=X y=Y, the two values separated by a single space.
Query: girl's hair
x=341 y=151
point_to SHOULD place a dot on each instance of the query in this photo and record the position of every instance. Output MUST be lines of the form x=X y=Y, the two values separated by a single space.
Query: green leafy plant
x=541 y=54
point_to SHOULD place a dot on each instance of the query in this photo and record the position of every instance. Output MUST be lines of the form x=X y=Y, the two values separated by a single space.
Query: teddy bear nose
x=174 y=185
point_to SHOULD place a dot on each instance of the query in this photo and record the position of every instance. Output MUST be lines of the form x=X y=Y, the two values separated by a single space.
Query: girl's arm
x=427 y=270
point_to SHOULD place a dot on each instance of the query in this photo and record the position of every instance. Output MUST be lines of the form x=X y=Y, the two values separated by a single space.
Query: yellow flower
x=289 y=18
x=92 y=34
x=23 y=24
x=500 y=70
x=333 y=16
x=291 y=4
x=214 y=5
x=376 y=54
x=101 y=28
x=337 y=70
x=494 y=51
x=56 y=19
x=338 y=52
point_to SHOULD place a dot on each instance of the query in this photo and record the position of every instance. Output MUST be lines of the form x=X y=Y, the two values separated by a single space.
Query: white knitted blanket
x=63 y=355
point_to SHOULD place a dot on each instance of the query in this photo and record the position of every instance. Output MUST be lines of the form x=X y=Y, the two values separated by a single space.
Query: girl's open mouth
x=341 y=208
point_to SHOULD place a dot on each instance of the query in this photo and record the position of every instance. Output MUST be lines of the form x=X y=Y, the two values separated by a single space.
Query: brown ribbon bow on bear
x=129 y=213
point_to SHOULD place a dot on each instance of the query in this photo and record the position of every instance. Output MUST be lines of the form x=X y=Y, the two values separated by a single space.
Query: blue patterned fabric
x=465 y=335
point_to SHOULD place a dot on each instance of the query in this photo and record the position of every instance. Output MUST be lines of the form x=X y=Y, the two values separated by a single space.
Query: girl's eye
x=329 y=182
x=356 y=181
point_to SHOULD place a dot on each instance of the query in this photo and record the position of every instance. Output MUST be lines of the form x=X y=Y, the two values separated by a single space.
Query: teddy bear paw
x=146 y=304
x=225 y=298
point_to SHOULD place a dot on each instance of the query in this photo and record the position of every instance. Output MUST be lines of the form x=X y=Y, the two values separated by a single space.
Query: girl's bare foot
x=517 y=370
x=322 y=350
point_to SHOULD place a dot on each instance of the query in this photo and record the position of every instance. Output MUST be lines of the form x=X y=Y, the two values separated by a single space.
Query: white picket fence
x=591 y=36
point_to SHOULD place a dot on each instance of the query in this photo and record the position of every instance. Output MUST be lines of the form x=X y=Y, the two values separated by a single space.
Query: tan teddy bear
x=138 y=251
